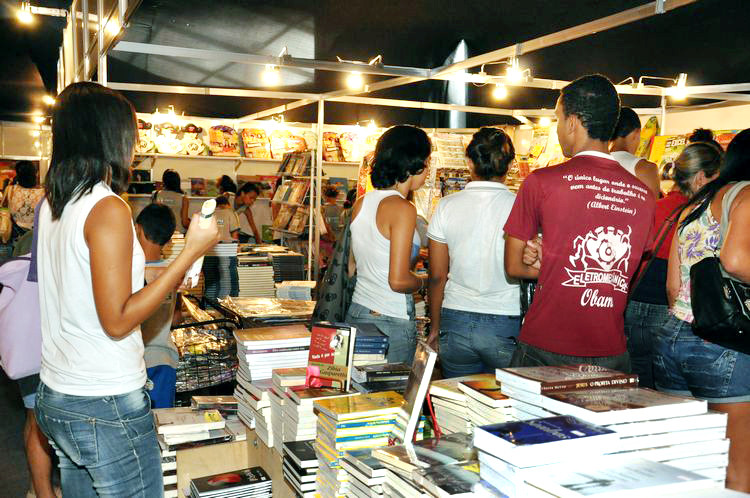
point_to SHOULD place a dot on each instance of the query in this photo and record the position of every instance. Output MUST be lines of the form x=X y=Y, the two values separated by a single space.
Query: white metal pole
x=663 y=115
x=315 y=196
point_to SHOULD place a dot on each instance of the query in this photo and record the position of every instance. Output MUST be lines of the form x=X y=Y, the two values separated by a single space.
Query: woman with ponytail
x=474 y=306
x=385 y=242
x=683 y=362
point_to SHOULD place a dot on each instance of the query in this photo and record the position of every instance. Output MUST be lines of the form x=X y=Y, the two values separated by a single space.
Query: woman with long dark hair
x=385 y=241
x=683 y=362
x=172 y=196
x=474 y=306
x=92 y=402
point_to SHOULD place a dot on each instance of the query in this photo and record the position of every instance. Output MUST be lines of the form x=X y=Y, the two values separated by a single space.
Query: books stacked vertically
x=485 y=403
x=261 y=350
x=255 y=405
x=283 y=379
x=288 y=266
x=371 y=345
x=526 y=385
x=251 y=482
x=223 y=249
x=351 y=423
x=255 y=276
x=366 y=473
x=298 y=290
x=450 y=405
x=169 y=471
x=380 y=377
x=615 y=475
x=300 y=466
x=300 y=421
x=507 y=450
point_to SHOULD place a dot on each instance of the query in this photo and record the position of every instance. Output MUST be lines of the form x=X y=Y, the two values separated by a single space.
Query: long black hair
x=736 y=168
x=400 y=153
x=93 y=138
x=171 y=181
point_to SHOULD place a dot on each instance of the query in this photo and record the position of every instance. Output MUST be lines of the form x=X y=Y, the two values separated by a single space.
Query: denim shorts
x=402 y=334
x=472 y=343
x=685 y=364
x=106 y=444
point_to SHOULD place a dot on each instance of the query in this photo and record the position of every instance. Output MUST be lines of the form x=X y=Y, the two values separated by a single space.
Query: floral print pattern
x=697 y=241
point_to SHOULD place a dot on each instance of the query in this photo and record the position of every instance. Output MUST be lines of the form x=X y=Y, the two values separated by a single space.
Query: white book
x=684 y=450
x=169 y=421
x=458 y=408
x=416 y=388
x=613 y=406
x=670 y=438
x=704 y=421
x=700 y=462
x=716 y=473
x=616 y=476
x=522 y=395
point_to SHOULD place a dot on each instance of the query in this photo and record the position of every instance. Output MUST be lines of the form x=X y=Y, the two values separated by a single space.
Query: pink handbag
x=20 y=328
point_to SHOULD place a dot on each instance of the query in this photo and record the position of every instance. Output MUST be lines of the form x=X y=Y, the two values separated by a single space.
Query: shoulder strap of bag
x=32 y=276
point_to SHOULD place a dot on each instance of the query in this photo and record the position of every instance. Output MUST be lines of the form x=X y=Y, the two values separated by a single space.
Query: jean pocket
x=139 y=427
x=76 y=438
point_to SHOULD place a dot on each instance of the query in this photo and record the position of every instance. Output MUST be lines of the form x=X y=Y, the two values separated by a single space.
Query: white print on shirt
x=601 y=257
x=613 y=196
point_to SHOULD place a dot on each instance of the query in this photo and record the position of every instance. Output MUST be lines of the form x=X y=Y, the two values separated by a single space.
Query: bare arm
x=251 y=221
x=400 y=219
x=439 y=267
x=109 y=235
x=185 y=207
x=515 y=266
x=735 y=253
x=648 y=173
x=673 y=269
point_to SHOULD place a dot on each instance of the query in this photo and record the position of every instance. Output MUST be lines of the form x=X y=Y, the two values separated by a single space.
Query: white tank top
x=372 y=253
x=78 y=357
x=626 y=160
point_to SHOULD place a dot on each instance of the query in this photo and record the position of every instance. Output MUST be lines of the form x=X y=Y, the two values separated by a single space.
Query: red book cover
x=330 y=360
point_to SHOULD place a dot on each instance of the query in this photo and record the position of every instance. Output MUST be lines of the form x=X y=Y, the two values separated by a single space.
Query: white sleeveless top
x=626 y=160
x=78 y=357
x=372 y=253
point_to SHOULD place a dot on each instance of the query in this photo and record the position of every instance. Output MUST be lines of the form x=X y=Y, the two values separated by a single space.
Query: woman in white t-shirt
x=172 y=196
x=474 y=306
x=385 y=242
x=92 y=402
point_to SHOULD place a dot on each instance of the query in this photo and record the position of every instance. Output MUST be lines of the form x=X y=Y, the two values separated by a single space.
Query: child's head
x=248 y=193
x=222 y=202
x=155 y=224
x=331 y=193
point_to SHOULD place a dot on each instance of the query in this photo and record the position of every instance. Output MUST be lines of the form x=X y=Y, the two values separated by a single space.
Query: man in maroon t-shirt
x=595 y=220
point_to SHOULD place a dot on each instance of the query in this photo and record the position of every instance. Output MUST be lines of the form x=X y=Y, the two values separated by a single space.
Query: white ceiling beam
x=729 y=87
x=421 y=105
x=200 y=90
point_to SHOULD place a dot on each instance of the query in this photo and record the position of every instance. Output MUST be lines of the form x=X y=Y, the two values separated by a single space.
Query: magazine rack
x=208 y=354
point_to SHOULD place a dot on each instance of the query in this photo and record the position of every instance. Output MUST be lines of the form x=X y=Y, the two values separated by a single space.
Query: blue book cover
x=368 y=332
x=369 y=350
x=544 y=430
x=369 y=423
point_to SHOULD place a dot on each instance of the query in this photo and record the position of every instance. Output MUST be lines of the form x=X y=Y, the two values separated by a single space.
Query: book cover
x=302 y=453
x=416 y=388
x=452 y=479
x=452 y=448
x=365 y=462
x=369 y=332
x=250 y=478
x=330 y=360
x=299 y=220
x=448 y=388
x=367 y=373
x=365 y=405
x=341 y=184
x=564 y=378
x=174 y=421
x=271 y=335
x=284 y=216
x=398 y=386
x=198 y=187
x=536 y=432
x=486 y=391
x=306 y=395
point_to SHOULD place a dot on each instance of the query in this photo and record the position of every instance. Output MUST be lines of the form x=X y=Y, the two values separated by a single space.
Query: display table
x=216 y=458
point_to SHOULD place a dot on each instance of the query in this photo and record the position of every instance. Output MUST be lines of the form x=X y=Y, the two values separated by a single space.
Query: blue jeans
x=643 y=321
x=527 y=355
x=402 y=334
x=472 y=343
x=685 y=364
x=107 y=445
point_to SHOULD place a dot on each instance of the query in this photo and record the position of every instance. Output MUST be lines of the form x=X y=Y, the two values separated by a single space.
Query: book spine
x=383 y=374
x=371 y=423
x=582 y=385
x=289 y=349
x=361 y=350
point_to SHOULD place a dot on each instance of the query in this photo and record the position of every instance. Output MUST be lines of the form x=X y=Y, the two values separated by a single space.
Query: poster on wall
x=648 y=132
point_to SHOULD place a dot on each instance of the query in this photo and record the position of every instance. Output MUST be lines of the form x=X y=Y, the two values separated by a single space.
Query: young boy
x=154 y=227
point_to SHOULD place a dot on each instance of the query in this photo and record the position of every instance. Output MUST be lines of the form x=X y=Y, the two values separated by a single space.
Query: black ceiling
x=708 y=40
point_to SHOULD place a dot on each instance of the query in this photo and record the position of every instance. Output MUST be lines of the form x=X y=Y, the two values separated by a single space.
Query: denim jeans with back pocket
x=402 y=334
x=106 y=444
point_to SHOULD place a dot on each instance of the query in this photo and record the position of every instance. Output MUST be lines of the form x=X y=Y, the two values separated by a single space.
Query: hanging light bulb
x=371 y=125
x=112 y=27
x=679 y=92
x=355 y=81
x=500 y=91
x=514 y=73
x=545 y=122
x=48 y=100
x=24 y=14
x=39 y=119
x=271 y=76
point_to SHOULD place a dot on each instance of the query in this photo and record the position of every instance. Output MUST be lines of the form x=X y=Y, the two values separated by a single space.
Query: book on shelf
x=331 y=354
x=416 y=389
x=544 y=441
x=299 y=220
x=563 y=378
x=171 y=421
x=364 y=405
x=380 y=373
x=283 y=217
x=615 y=475
x=612 y=406
x=282 y=192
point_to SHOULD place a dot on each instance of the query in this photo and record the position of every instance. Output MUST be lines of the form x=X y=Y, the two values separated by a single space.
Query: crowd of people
x=610 y=253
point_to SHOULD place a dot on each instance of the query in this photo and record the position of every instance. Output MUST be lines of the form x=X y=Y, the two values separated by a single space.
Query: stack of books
x=300 y=466
x=366 y=474
x=450 y=405
x=176 y=427
x=506 y=451
x=255 y=408
x=370 y=346
x=288 y=266
x=227 y=405
x=485 y=404
x=255 y=276
x=676 y=430
x=169 y=471
x=283 y=379
x=300 y=422
x=299 y=290
x=223 y=249
x=253 y=481
x=261 y=350
x=351 y=423
x=380 y=377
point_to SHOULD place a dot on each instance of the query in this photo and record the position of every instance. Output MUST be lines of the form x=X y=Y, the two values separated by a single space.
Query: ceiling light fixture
x=24 y=14
x=271 y=76
x=514 y=74
x=112 y=28
x=355 y=81
x=48 y=100
x=500 y=91
x=39 y=119
x=679 y=92
x=545 y=122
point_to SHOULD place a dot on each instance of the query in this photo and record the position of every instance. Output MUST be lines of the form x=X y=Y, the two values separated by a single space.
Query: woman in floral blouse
x=23 y=196
x=684 y=363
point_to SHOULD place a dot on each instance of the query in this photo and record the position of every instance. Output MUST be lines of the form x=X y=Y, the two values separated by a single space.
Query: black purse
x=721 y=304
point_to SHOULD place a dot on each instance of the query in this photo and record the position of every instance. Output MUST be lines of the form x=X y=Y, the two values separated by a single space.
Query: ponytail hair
x=491 y=151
